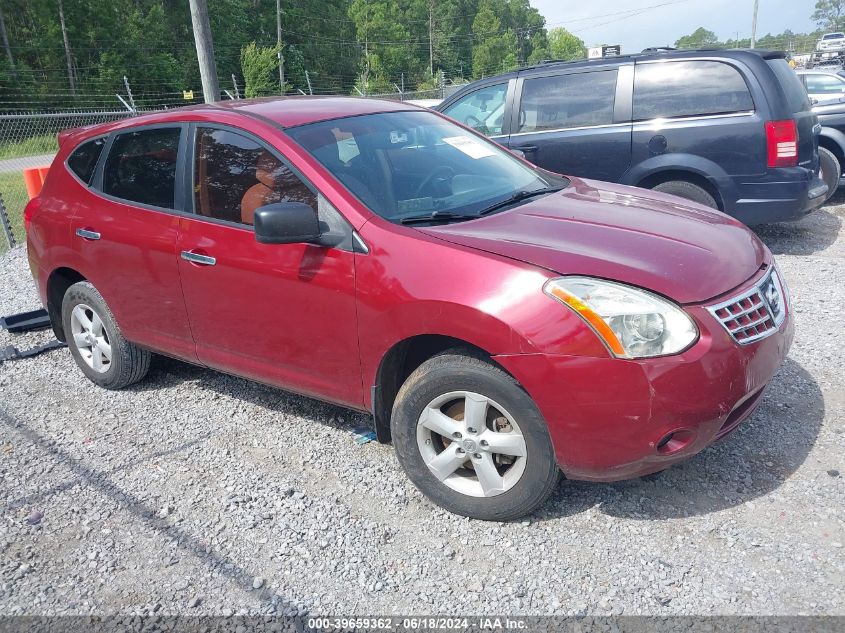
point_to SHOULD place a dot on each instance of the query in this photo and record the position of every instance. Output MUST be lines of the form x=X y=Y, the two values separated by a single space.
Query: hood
x=655 y=241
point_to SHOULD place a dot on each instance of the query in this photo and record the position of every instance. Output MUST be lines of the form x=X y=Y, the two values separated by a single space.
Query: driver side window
x=482 y=110
x=234 y=176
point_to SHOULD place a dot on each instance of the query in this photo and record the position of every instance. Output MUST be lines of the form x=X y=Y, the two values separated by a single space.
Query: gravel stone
x=35 y=518
x=225 y=489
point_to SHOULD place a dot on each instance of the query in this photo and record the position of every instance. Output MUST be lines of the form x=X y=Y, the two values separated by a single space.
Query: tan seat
x=265 y=191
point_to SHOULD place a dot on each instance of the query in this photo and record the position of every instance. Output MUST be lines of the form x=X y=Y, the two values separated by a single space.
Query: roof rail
x=766 y=54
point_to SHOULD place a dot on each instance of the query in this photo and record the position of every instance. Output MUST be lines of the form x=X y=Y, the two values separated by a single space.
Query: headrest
x=268 y=168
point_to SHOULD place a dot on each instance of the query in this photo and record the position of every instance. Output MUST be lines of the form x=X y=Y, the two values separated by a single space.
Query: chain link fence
x=30 y=140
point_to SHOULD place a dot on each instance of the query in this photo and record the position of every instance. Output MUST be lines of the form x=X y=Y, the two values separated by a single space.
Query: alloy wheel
x=471 y=444
x=90 y=338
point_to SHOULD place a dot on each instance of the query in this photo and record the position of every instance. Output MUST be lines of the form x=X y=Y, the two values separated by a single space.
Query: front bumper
x=607 y=417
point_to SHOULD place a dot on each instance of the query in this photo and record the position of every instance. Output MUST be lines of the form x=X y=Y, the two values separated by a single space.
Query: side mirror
x=286 y=223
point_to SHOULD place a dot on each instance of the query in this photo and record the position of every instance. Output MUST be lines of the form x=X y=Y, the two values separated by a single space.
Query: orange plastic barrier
x=33 y=178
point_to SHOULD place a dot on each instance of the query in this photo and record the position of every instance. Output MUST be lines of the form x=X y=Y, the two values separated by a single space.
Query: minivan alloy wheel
x=90 y=338
x=471 y=444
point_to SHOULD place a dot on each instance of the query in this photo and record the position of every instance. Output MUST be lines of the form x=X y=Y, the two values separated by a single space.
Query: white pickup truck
x=830 y=50
x=831 y=42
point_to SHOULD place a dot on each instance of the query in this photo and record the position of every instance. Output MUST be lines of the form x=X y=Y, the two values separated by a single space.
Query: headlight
x=784 y=289
x=632 y=323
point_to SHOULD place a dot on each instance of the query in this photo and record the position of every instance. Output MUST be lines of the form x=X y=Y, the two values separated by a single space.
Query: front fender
x=411 y=284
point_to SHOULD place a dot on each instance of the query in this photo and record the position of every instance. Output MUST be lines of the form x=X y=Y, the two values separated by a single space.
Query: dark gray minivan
x=731 y=129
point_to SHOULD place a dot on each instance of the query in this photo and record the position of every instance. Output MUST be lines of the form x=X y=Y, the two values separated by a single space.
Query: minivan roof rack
x=764 y=53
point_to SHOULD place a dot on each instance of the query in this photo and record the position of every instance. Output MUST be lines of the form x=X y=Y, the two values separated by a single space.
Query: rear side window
x=565 y=101
x=83 y=160
x=796 y=96
x=234 y=176
x=688 y=88
x=141 y=167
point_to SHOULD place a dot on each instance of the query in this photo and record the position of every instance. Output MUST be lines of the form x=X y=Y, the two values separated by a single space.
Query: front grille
x=756 y=313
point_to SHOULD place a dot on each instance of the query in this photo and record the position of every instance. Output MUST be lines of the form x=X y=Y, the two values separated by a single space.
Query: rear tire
x=688 y=191
x=472 y=440
x=829 y=170
x=95 y=341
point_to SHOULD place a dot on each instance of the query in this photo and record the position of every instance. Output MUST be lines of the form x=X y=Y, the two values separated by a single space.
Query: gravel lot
x=199 y=493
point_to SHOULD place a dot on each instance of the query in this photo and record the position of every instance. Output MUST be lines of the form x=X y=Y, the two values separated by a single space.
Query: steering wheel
x=440 y=175
x=472 y=121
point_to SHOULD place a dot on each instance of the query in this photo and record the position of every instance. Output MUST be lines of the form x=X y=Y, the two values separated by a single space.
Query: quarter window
x=565 y=101
x=234 y=176
x=141 y=167
x=482 y=110
x=83 y=160
x=688 y=88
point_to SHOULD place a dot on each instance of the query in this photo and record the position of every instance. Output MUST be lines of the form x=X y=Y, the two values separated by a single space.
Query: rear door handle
x=87 y=234
x=198 y=258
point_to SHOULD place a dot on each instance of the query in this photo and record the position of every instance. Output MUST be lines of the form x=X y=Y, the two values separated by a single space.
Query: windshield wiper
x=436 y=216
x=518 y=197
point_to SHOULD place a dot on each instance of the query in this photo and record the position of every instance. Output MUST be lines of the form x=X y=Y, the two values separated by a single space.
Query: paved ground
x=196 y=492
x=10 y=165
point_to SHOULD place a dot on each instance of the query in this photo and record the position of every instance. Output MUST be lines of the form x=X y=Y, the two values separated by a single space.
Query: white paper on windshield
x=469 y=146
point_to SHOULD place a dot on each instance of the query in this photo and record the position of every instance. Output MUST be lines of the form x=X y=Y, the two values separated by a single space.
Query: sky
x=636 y=24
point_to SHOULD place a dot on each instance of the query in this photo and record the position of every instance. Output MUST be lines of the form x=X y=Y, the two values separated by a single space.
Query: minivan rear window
x=688 y=88
x=796 y=95
x=83 y=160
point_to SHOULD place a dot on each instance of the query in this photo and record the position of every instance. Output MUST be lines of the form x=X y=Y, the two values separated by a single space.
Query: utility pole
x=8 y=48
x=205 y=50
x=68 y=55
x=279 y=46
x=431 y=37
x=754 y=25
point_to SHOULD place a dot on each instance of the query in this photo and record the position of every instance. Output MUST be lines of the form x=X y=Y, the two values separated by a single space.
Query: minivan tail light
x=782 y=143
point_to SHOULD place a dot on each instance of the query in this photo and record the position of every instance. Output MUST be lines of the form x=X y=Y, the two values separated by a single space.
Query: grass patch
x=44 y=144
x=13 y=190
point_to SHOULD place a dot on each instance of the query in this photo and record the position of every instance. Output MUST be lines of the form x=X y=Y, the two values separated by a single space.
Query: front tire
x=95 y=341
x=472 y=440
x=688 y=191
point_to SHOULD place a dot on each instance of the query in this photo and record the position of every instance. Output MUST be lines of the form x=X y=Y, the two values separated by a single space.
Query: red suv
x=500 y=322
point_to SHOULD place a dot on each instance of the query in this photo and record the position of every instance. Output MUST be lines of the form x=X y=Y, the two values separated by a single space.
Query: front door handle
x=198 y=258
x=87 y=234
x=525 y=149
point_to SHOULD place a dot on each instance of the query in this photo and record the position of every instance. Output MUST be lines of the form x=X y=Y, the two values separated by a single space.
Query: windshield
x=404 y=165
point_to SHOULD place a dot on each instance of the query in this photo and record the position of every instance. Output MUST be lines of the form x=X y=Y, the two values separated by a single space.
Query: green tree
x=385 y=41
x=495 y=48
x=260 y=67
x=564 y=45
x=700 y=38
x=829 y=14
